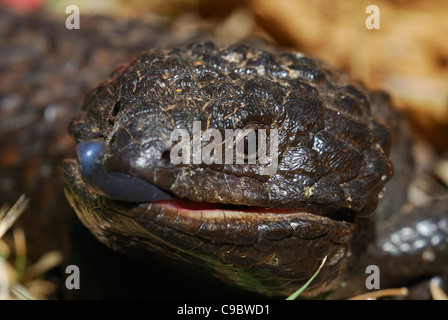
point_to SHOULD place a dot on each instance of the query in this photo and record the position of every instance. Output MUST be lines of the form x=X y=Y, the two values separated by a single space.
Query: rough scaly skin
x=267 y=233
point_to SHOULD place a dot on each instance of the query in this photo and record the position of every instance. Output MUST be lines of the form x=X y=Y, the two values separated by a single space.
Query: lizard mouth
x=121 y=187
x=213 y=221
x=281 y=246
x=188 y=205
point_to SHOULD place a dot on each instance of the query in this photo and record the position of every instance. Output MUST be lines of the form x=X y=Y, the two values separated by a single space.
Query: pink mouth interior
x=186 y=204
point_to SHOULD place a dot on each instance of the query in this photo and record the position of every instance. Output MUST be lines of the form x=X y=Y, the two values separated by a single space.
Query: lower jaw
x=272 y=251
x=241 y=225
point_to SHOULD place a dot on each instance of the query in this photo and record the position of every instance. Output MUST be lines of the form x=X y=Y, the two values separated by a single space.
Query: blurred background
x=45 y=70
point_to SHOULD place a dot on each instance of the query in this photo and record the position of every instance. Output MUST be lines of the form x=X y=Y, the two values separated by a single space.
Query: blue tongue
x=113 y=185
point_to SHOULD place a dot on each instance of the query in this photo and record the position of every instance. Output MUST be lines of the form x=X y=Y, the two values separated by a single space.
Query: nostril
x=117 y=107
x=115 y=110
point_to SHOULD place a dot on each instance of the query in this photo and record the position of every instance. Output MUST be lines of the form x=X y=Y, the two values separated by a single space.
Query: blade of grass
x=9 y=216
x=298 y=292
x=21 y=293
x=45 y=263
x=4 y=280
x=437 y=292
x=402 y=292
x=20 y=246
